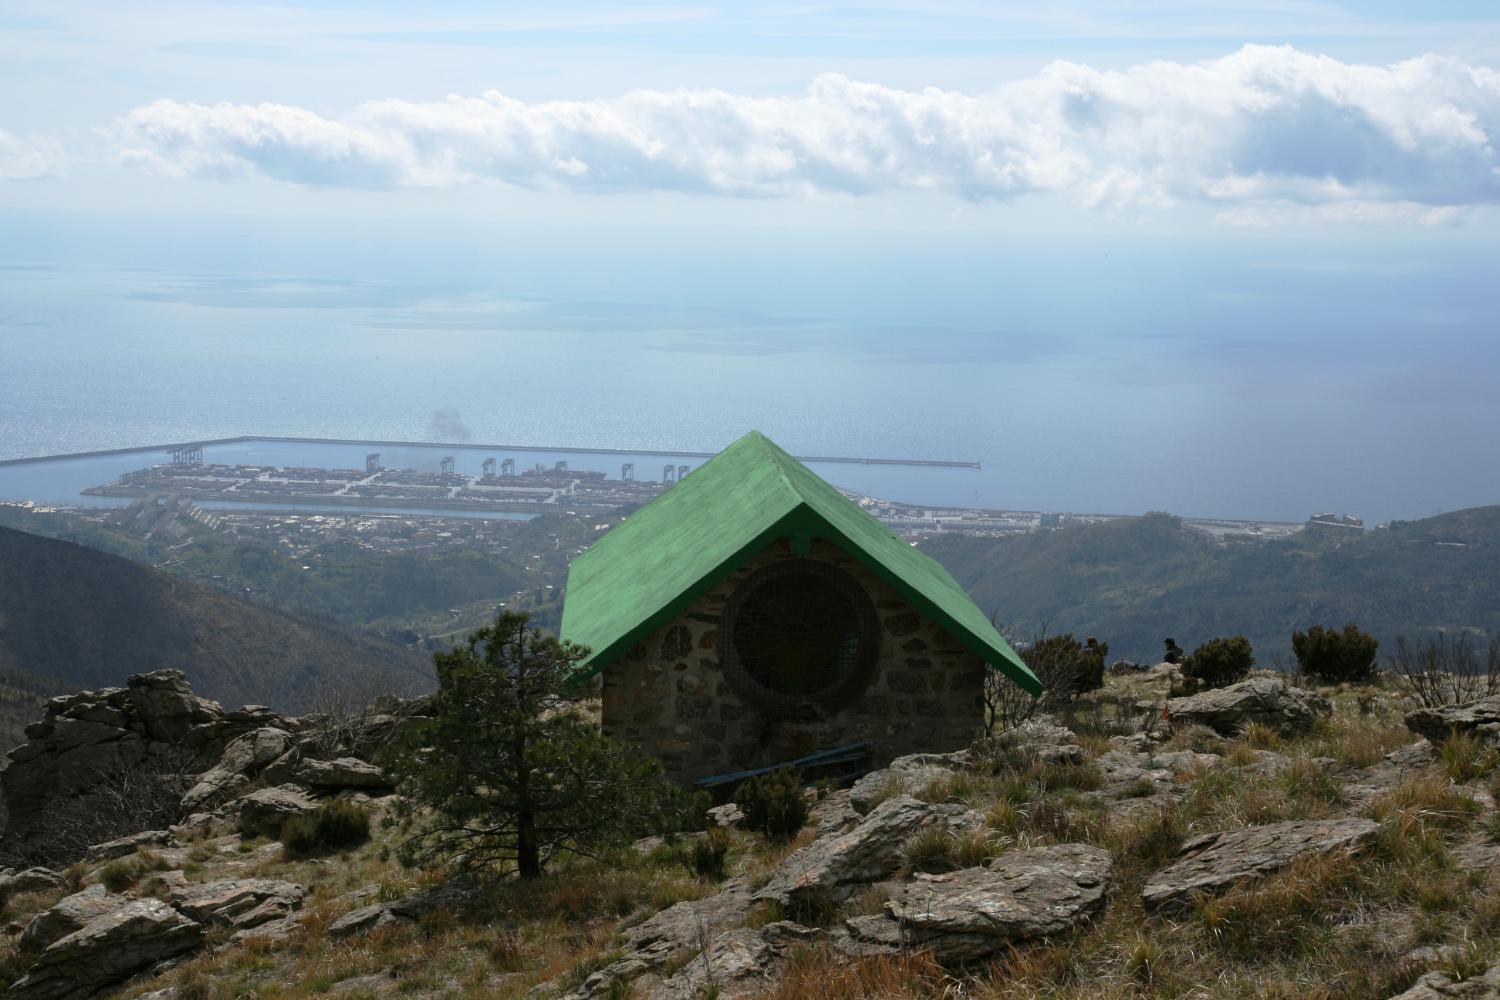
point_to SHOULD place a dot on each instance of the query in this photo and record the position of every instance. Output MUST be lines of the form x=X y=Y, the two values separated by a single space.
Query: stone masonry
x=670 y=698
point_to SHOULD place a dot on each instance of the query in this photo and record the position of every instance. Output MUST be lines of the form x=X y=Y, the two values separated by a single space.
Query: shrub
x=1334 y=657
x=117 y=876
x=773 y=803
x=1068 y=667
x=709 y=852
x=1221 y=661
x=334 y=826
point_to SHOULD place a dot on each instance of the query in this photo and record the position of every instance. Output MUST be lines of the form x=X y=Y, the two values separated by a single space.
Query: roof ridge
x=775 y=451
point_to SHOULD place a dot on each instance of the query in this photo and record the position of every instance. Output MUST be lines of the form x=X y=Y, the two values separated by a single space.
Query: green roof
x=653 y=565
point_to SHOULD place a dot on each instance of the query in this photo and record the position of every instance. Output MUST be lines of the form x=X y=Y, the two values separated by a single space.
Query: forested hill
x=1133 y=581
x=84 y=618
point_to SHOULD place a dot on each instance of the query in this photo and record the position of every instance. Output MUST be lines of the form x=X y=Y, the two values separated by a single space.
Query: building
x=753 y=614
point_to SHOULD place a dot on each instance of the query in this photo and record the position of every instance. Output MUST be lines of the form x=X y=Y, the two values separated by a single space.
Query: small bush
x=335 y=826
x=117 y=876
x=773 y=803
x=934 y=849
x=1219 y=662
x=1068 y=667
x=1335 y=657
x=709 y=852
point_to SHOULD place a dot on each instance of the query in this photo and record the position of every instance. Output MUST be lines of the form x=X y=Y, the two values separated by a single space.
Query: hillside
x=1134 y=581
x=84 y=618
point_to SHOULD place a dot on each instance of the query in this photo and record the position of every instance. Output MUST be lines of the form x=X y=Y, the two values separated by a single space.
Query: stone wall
x=669 y=697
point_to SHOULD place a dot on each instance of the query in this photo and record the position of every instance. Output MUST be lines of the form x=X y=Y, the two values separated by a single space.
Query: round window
x=799 y=639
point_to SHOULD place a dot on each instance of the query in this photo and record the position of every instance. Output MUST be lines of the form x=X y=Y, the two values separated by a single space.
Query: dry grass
x=820 y=973
x=1327 y=928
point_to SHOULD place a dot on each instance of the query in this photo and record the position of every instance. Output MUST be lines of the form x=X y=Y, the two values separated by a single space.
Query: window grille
x=799 y=640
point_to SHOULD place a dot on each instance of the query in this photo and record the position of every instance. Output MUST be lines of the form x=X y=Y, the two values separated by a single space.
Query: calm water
x=1248 y=391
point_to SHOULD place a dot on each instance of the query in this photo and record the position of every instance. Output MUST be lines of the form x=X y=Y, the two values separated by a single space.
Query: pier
x=564 y=450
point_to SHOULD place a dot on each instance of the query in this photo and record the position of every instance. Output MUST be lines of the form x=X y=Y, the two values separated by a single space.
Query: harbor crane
x=372 y=462
x=627 y=472
x=508 y=467
x=669 y=473
x=489 y=468
x=446 y=465
x=187 y=454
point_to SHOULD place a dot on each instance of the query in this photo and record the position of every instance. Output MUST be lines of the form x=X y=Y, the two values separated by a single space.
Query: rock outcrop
x=1480 y=718
x=1264 y=700
x=13 y=883
x=1436 y=986
x=241 y=904
x=340 y=774
x=67 y=915
x=86 y=740
x=974 y=913
x=1214 y=862
x=830 y=869
x=124 y=940
x=241 y=761
x=265 y=809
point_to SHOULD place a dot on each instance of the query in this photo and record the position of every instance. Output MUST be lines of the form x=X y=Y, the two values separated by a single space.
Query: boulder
x=728 y=816
x=111 y=849
x=738 y=962
x=1480 y=718
x=67 y=915
x=265 y=809
x=830 y=869
x=343 y=773
x=1266 y=700
x=107 y=949
x=165 y=705
x=241 y=761
x=13 y=883
x=238 y=903
x=668 y=935
x=1045 y=741
x=448 y=895
x=1214 y=862
x=1436 y=986
x=974 y=913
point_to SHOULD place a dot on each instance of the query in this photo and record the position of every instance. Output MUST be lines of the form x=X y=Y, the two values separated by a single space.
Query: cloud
x=29 y=158
x=1265 y=126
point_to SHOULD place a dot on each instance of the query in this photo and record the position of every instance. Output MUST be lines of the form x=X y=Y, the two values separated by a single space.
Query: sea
x=1262 y=392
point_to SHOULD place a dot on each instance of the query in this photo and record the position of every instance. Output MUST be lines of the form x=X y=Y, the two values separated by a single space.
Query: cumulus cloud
x=1263 y=126
x=29 y=158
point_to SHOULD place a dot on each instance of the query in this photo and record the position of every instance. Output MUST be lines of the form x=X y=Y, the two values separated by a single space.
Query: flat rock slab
x=1482 y=718
x=238 y=903
x=345 y=772
x=971 y=914
x=740 y=962
x=124 y=846
x=670 y=936
x=877 y=786
x=1436 y=986
x=830 y=869
x=1214 y=862
x=1265 y=700
x=13 y=883
x=107 y=949
x=264 y=810
x=68 y=915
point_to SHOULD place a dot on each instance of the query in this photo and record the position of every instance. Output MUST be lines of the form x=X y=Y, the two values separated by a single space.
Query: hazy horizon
x=1204 y=258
